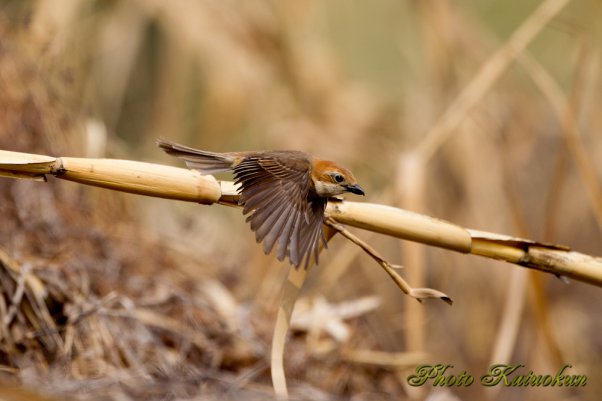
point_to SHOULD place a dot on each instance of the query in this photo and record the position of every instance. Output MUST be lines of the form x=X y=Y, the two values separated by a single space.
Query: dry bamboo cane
x=188 y=185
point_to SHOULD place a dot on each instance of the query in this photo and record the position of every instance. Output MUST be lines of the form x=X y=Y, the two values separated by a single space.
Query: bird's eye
x=339 y=178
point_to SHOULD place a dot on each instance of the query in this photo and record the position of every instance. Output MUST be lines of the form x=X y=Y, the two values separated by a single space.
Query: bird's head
x=330 y=179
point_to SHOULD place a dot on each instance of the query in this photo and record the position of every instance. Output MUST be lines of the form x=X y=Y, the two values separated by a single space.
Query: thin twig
x=418 y=293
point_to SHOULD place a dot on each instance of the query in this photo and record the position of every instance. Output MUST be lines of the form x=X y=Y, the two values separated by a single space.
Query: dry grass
x=147 y=299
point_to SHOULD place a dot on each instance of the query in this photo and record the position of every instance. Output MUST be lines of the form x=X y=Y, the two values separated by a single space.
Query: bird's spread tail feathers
x=206 y=162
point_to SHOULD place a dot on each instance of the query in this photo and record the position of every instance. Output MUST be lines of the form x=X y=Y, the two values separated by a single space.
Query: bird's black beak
x=355 y=189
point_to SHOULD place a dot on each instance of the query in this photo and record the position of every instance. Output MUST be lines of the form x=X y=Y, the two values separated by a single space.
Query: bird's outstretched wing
x=274 y=192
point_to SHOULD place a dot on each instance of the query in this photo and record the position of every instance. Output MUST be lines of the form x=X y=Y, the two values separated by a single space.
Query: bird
x=283 y=194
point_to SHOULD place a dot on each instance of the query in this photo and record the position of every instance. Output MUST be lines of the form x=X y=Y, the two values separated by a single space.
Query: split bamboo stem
x=187 y=185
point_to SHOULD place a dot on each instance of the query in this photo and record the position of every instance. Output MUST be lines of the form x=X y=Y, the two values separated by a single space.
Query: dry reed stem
x=511 y=318
x=177 y=183
x=290 y=293
x=514 y=303
x=566 y=115
x=486 y=77
x=410 y=189
x=397 y=360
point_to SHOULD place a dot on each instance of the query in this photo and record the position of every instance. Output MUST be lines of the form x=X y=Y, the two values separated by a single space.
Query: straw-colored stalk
x=182 y=184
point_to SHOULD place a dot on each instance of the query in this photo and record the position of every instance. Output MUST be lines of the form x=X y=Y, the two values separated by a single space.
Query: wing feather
x=275 y=195
x=284 y=238
x=269 y=219
x=273 y=232
x=313 y=232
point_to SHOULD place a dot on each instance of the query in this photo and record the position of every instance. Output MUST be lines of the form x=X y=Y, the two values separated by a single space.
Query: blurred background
x=157 y=299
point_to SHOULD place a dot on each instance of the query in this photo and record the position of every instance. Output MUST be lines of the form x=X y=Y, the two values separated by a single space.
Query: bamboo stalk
x=401 y=223
x=183 y=184
x=141 y=178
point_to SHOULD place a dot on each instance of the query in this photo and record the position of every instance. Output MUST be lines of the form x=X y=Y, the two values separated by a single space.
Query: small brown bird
x=284 y=192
